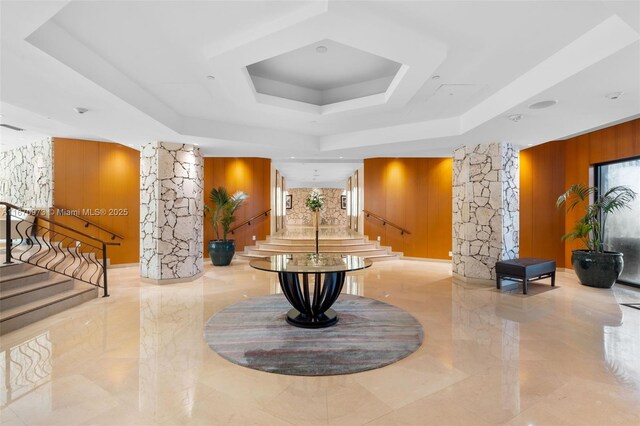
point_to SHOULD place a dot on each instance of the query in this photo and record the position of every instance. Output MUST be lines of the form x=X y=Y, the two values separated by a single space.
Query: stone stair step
x=354 y=244
x=28 y=275
x=28 y=293
x=373 y=257
x=345 y=251
x=11 y=268
x=20 y=316
x=307 y=241
x=324 y=247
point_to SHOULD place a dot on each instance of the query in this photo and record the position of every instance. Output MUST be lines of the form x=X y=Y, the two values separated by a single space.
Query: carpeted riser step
x=37 y=294
x=33 y=315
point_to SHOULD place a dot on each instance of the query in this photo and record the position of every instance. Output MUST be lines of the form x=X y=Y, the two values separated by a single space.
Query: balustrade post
x=104 y=270
x=8 y=236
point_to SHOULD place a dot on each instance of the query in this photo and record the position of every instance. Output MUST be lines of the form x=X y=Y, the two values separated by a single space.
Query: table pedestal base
x=327 y=319
x=311 y=309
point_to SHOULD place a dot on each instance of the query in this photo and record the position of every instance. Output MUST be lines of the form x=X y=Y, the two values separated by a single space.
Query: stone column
x=485 y=208
x=171 y=212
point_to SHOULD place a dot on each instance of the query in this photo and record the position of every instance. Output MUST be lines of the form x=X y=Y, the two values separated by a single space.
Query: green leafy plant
x=221 y=215
x=314 y=201
x=591 y=227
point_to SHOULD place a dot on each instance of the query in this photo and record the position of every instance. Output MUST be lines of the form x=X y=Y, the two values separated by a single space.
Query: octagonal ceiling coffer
x=323 y=73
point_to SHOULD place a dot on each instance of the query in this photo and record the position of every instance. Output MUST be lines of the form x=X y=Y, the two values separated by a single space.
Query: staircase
x=48 y=267
x=29 y=293
x=354 y=245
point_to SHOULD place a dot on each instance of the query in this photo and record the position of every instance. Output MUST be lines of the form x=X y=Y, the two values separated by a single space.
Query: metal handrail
x=50 y=242
x=386 y=222
x=248 y=221
x=30 y=212
x=87 y=222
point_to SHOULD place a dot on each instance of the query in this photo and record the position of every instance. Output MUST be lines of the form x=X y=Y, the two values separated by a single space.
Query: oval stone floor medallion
x=369 y=334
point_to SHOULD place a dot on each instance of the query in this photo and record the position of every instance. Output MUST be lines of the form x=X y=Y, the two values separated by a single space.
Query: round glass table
x=311 y=308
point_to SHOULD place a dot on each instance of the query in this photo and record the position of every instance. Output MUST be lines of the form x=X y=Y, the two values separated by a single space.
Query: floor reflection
x=622 y=341
x=168 y=332
x=25 y=367
x=488 y=357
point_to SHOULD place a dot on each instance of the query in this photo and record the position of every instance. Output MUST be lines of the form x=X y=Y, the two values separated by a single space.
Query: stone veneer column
x=26 y=175
x=485 y=208
x=171 y=211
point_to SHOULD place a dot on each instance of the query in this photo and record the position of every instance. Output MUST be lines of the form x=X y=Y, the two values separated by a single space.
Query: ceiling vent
x=8 y=126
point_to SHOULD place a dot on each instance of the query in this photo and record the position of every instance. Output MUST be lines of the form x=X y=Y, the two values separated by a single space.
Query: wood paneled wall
x=547 y=170
x=541 y=182
x=251 y=175
x=98 y=175
x=414 y=193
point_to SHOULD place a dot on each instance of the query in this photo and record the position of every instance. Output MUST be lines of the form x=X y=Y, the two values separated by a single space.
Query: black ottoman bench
x=526 y=269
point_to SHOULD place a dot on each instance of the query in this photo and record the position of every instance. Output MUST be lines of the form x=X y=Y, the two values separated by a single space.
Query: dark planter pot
x=597 y=269
x=221 y=252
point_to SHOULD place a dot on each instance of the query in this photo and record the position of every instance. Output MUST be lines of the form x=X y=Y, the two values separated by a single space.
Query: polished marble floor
x=569 y=355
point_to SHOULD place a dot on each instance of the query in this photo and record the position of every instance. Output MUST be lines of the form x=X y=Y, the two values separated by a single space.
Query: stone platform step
x=355 y=245
x=29 y=293
x=312 y=241
x=312 y=247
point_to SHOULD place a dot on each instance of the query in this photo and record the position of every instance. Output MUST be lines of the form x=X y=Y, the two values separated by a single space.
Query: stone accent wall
x=331 y=213
x=26 y=175
x=485 y=208
x=171 y=211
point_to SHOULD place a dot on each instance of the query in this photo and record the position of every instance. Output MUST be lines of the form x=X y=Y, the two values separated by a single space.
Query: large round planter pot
x=597 y=269
x=221 y=252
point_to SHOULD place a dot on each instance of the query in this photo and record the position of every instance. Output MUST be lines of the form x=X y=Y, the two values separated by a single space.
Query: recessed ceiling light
x=1 y=115
x=211 y=77
x=293 y=158
x=196 y=144
x=543 y=104
x=435 y=77
x=529 y=144
x=515 y=117
x=614 y=95
x=341 y=158
x=80 y=110
x=321 y=49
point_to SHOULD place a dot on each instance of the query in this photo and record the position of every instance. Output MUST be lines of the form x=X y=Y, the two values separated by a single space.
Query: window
x=622 y=229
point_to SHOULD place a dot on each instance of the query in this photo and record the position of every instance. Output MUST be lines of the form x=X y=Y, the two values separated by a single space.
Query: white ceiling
x=141 y=69
x=338 y=66
x=310 y=173
x=335 y=74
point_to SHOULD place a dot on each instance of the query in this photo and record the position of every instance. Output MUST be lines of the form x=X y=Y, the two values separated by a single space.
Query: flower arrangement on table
x=314 y=201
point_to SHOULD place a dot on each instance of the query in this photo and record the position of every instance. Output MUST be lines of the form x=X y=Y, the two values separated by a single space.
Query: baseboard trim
x=171 y=280
x=425 y=259
x=468 y=280
x=124 y=265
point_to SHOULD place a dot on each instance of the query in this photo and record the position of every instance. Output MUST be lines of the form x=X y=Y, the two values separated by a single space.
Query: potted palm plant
x=221 y=217
x=594 y=266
